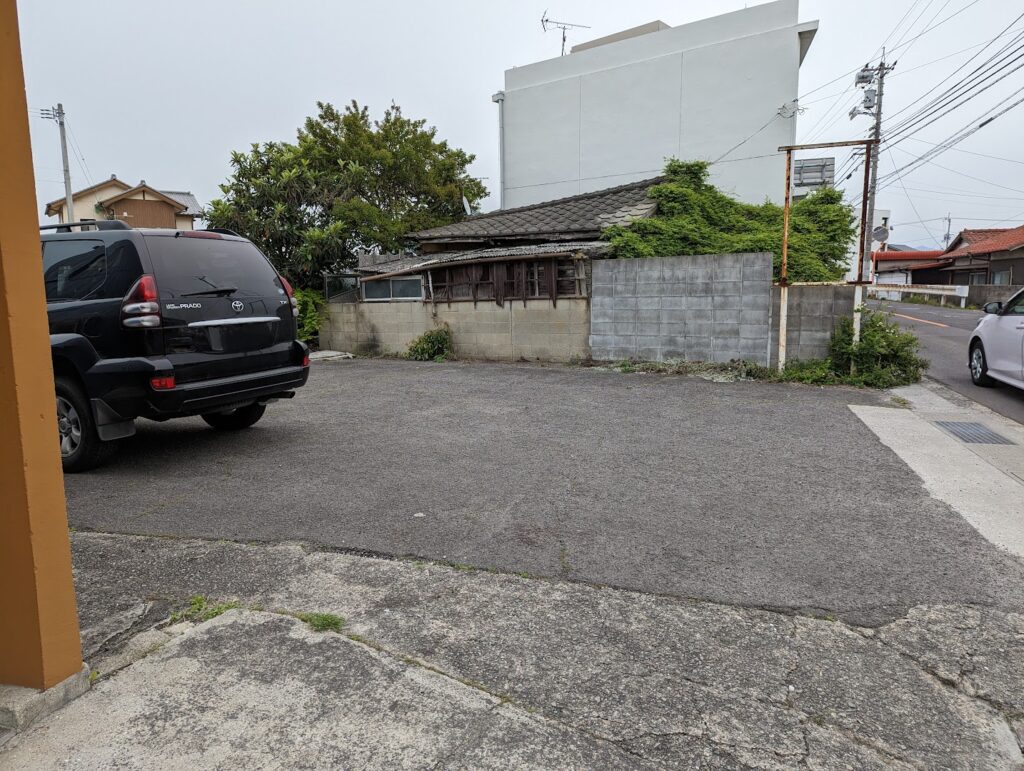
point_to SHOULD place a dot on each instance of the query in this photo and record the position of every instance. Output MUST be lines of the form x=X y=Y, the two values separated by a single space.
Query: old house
x=139 y=206
x=513 y=283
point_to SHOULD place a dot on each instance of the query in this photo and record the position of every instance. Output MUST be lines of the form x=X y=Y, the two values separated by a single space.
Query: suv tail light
x=291 y=296
x=141 y=306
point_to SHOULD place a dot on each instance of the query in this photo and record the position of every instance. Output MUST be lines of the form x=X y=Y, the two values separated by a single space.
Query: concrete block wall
x=698 y=308
x=536 y=331
x=980 y=294
x=814 y=312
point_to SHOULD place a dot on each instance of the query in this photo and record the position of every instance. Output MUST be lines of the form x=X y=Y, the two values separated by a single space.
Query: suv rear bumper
x=121 y=391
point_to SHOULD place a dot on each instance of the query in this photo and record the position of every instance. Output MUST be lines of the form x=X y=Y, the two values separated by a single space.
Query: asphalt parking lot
x=751 y=494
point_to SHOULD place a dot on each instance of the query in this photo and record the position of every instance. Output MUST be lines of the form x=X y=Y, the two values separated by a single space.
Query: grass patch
x=322 y=622
x=202 y=609
x=901 y=402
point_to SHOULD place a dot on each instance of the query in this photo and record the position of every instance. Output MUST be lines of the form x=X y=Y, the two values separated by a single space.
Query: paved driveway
x=745 y=493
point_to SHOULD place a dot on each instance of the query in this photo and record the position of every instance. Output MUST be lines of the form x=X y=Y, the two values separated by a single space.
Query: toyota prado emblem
x=237 y=306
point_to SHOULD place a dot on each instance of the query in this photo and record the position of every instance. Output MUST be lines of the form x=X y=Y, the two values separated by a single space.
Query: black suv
x=163 y=324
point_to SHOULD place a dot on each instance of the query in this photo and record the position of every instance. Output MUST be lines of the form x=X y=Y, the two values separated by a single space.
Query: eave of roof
x=144 y=188
x=501 y=254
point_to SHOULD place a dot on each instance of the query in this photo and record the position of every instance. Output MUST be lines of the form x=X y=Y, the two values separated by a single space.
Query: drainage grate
x=972 y=433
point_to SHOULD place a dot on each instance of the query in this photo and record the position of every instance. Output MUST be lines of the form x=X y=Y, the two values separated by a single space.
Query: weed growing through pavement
x=201 y=609
x=322 y=622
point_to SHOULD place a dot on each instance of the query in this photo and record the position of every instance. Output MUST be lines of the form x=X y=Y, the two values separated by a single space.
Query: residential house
x=536 y=251
x=721 y=89
x=140 y=206
x=909 y=266
x=986 y=256
x=513 y=283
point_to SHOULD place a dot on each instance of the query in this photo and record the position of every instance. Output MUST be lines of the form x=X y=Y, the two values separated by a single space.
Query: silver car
x=997 y=344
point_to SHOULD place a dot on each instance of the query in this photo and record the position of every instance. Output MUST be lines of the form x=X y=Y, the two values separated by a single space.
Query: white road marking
x=989 y=499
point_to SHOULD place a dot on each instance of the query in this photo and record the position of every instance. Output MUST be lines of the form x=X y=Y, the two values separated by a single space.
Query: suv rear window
x=186 y=264
x=73 y=270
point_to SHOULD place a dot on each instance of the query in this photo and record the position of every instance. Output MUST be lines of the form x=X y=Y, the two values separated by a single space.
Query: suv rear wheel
x=80 y=446
x=234 y=420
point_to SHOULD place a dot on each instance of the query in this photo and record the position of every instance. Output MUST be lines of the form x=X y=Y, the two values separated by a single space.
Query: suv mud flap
x=109 y=424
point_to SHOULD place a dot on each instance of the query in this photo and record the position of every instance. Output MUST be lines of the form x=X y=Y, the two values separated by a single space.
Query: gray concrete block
x=621 y=352
x=624 y=328
x=725 y=355
x=648 y=317
x=624 y=303
x=698 y=302
x=698 y=329
x=672 y=341
x=648 y=289
x=672 y=303
x=728 y=288
x=602 y=327
x=652 y=330
x=725 y=332
x=698 y=286
x=748 y=316
x=698 y=348
x=730 y=273
x=754 y=331
x=727 y=302
x=726 y=315
x=648 y=303
x=602 y=341
x=622 y=315
x=649 y=353
x=676 y=269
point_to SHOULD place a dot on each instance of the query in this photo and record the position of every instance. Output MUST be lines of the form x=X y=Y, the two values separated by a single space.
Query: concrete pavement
x=441 y=667
x=945 y=334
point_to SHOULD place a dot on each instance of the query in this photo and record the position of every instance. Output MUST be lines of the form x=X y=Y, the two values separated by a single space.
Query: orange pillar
x=39 y=642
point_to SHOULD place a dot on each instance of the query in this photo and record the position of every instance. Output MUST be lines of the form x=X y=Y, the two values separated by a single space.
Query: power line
x=82 y=164
x=910 y=200
x=969 y=152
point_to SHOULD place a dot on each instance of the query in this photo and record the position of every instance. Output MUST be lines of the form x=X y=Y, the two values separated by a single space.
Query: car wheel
x=979 y=366
x=81 y=448
x=233 y=420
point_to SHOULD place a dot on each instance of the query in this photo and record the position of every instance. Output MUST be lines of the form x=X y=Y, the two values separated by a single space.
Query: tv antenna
x=549 y=24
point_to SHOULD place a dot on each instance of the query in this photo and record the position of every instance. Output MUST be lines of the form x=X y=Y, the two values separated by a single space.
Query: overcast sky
x=164 y=92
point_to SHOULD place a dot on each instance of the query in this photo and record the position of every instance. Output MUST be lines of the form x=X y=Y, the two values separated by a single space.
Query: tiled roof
x=588 y=248
x=995 y=240
x=575 y=217
x=970 y=237
x=385 y=265
x=187 y=200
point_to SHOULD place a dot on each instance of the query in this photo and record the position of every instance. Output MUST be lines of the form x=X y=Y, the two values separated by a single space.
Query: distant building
x=810 y=174
x=614 y=109
x=139 y=206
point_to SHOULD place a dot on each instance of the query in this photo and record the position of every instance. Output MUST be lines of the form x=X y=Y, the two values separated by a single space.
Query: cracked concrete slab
x=258 y=690
x=649 y=679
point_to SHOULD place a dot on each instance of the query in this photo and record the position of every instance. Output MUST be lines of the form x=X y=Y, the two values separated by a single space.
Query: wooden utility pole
x=39 y=642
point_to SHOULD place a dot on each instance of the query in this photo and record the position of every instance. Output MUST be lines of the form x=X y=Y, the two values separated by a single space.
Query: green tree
x=694 y=217
x=346 y=185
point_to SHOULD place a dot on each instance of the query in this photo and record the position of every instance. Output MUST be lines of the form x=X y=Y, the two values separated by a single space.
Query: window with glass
x=1001 y=277
x=406 y=288
x=500 y=281
x=73 y=270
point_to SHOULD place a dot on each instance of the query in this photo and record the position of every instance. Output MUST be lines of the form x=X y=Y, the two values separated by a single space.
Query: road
x=751 y=494
x=944 y=334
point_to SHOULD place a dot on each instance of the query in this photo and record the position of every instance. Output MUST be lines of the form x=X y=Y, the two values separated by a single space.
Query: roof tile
x=578 y=216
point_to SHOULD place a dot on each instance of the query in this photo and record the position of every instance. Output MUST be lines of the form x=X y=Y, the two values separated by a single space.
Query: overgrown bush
x=435 y=345
x=312 y=314
x=885 y=357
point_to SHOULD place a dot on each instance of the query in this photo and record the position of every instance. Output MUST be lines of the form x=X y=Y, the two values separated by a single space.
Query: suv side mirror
x=992 y=307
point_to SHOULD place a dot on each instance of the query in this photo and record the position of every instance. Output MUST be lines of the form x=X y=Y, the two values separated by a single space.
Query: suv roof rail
x=222 y=231
x=65 y=227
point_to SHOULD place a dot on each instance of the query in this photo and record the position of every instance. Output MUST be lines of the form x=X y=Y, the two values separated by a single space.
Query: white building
x=614 y=109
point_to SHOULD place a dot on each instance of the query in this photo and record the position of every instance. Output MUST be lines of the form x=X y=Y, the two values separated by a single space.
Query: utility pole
x=872 y=79
x=949 y=227
x=57 y=114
